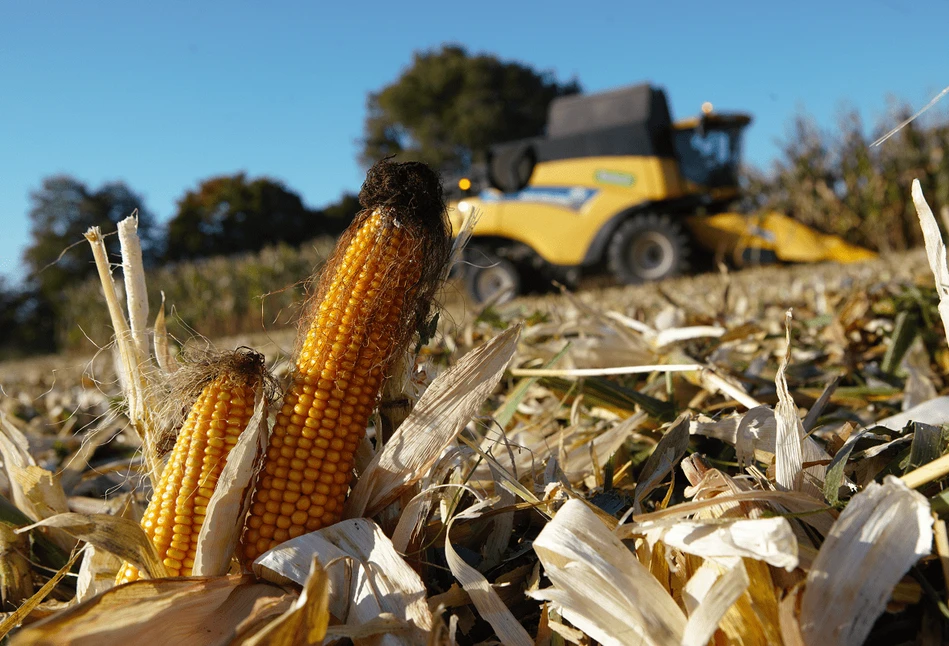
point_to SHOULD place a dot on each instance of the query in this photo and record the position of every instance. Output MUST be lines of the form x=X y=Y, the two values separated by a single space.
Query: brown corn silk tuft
x=375 y=292
x=223 y=388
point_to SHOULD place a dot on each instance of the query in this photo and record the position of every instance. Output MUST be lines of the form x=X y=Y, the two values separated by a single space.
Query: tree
x=340 y=213
x=62 y=210
x=27 y=324
x=230 y=214
x=449 y=107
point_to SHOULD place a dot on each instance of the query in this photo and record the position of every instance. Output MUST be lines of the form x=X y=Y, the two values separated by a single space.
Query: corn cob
x=220 y=413
x=375 y=292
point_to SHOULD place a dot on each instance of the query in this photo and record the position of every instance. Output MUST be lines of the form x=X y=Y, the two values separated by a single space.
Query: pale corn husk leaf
x=232 y=497
x=788 y=457
x=935 y=252
x=882 y=532
x=757 y=432
x=714 y=382
x=35 y=491
x=752 y=433
x=413 y=516
x=131 y=363
x=754 y=436
x=41 y=489
x=288 y=563
x=133 y=275
x=461 y=240
x=697 y=587
x=96 y=572
x=15 y=451
x=398 y=395
x=677 y=334
x=366 y=576
x=787 y=615
x=213 y=611
x=403 y=591
x=934 y=412
x=508 y=630
x=600 y=586
x=663 y=459
x=119 y=536
x=98 y=569
x=814 y=475
x=444 y=409
x=717 y=599
x=766 y=539
x=163 y=355
x=752 y=616
x=14 y=445
x=305 y=621
x=16 y=617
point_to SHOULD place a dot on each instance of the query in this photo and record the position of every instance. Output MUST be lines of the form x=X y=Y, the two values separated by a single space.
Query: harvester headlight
x=464 y=183
x=464 y=207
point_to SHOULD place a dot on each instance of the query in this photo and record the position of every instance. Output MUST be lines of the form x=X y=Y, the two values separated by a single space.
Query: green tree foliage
x=449 y=107
x=340 y=213
x=62 y=210
x=836 y=182
x=26 y=322
x=231 y=214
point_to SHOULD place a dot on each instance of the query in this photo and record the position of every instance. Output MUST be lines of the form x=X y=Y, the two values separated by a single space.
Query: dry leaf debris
x=666 y=464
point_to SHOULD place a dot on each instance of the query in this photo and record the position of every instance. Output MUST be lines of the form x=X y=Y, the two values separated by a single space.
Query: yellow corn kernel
x=177 y=509
x=375 y=292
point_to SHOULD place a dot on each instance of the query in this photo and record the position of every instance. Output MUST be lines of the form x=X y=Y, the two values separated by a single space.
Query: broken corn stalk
x=228 y=387
x=374 y=294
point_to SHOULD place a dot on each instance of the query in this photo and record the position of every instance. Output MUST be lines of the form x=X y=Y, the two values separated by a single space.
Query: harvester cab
x=708 y=150
x=614 y=183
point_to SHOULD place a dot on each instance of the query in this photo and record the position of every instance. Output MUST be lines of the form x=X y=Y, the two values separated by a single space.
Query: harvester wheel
x=489 y=278
x=648 y=247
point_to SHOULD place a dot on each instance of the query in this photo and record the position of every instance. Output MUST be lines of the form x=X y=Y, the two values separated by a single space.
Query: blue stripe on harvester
x=569 y=197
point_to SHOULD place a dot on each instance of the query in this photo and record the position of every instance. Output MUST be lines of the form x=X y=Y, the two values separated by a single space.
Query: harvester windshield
x=709 y=150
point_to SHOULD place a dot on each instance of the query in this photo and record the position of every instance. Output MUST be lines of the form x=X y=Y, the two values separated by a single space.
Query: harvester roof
x=582 y=113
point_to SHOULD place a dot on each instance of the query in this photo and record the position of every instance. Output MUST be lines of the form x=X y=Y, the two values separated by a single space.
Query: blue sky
x=163 y=95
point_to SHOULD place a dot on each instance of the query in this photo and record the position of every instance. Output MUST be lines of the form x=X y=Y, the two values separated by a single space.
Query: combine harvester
x=616 y=184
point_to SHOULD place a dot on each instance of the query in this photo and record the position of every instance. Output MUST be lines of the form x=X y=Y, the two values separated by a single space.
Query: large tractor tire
x=648 y=247
x=489 y=278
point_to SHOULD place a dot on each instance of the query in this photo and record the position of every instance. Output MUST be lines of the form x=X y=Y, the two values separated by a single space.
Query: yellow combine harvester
x=616 y=184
